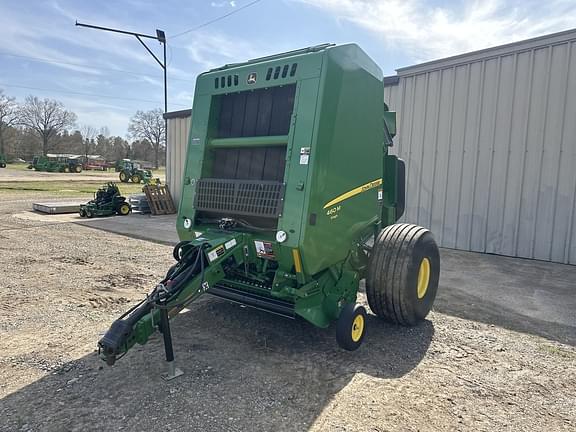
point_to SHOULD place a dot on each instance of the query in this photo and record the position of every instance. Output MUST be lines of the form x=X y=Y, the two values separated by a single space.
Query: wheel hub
x=423 y=277
x=357 y=328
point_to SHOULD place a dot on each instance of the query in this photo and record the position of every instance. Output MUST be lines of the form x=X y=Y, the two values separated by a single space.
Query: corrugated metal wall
x=490 y=145
x=178 y=130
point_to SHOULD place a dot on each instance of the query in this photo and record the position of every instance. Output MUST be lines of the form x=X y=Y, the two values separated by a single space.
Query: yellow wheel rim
x=357 y=328
x=124 y=209
x=423 y=277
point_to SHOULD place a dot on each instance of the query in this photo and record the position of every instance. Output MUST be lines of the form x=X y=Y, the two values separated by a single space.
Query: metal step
x=139 y=203
x=275 y=306
x=57 y=207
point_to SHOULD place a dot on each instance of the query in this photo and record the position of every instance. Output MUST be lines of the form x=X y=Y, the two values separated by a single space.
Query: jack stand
x=173 y=371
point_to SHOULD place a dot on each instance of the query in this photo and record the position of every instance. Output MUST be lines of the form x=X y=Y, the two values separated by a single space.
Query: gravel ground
x=245 y=370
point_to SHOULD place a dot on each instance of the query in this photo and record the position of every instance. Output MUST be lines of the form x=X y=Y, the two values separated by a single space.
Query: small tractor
x=2 y=161
x=132 y=172
x=107 y=202
x=290 y=198
x=72 y=165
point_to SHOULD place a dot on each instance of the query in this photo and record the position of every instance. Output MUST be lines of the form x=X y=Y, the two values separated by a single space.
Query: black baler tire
x=392 y=279
x=89 y=214
x=344 y=326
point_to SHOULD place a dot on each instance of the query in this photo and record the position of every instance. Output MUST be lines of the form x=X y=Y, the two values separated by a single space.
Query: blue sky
x=117 y=77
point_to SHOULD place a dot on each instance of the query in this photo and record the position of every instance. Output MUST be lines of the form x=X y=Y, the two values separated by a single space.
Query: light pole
x=160 y=37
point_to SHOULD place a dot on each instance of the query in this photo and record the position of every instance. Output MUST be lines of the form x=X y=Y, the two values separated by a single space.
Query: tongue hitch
x=189 y=278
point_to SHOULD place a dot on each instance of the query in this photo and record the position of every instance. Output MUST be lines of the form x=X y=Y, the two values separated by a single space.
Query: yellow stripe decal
x=297 y=261
x=354 y=192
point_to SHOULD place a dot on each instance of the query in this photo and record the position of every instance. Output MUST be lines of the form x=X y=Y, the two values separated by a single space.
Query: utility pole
x=160 y=37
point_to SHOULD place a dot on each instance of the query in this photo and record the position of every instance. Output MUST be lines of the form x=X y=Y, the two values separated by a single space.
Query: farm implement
x=290 y=199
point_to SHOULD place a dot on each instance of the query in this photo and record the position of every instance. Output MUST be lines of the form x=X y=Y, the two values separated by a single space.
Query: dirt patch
x=246 y=370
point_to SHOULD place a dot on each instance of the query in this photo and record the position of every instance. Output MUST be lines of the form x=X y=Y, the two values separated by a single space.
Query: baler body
x=290 y=150
x=289 y=199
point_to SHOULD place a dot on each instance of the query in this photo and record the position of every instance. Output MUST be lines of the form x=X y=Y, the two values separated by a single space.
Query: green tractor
x=56 y=164
x=73 y=165
x=132 y=172
x=2 y=161
x=107 y=201
x=44 y=163
x=290 y=199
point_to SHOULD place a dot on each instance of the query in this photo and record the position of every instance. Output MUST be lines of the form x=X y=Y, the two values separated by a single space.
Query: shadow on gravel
x=245 y=370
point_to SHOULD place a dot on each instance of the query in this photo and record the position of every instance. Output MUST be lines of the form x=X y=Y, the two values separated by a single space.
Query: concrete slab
x=524 y=295
x=158 y=229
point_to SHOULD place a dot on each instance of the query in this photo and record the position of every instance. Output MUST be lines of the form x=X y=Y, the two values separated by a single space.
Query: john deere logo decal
x=251 y=78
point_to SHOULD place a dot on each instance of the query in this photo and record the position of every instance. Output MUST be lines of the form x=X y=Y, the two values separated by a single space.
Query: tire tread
x=388 y=270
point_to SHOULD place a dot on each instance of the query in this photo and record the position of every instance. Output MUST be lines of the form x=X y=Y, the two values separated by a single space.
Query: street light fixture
x=160 y=37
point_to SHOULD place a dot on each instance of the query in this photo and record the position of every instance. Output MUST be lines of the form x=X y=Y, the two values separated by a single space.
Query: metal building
x=489 y=140
x=177 y=143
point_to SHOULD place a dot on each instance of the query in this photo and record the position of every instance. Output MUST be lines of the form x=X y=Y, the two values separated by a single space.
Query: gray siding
x=489 y=139
x=178 y=130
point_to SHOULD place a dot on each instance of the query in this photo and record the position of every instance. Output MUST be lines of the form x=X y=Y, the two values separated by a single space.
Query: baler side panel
x=300 y=140
x=345 y=173
x=194 y=161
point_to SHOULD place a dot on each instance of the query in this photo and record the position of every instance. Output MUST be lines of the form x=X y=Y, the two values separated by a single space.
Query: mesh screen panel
x=240 y=197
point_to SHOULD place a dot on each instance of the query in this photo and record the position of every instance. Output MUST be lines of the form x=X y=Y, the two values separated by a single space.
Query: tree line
x=41 y=126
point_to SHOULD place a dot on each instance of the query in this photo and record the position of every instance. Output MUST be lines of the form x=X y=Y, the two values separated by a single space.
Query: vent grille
x=226 y=81
x=240 y=197
x=281 y=71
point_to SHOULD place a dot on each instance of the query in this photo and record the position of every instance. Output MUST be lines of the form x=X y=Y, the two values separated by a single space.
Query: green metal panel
x=347 y=155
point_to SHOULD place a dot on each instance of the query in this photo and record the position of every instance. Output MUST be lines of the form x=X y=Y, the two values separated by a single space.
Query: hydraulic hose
x=115 y=340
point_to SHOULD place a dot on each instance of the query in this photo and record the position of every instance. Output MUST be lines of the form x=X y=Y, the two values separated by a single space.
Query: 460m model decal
x=354 y=192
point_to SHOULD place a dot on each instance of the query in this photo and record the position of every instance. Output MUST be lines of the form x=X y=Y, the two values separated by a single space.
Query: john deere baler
x=290 y=199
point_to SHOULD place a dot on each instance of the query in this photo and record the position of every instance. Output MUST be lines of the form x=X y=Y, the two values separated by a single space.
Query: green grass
x=63 y=188
x=160 y=172
x=17 y=167
x=558 y=351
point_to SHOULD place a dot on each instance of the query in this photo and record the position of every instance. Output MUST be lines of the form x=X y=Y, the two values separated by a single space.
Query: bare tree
x=149 y=125
x=47 y=118
x=104 y=131
x=8 y=116
x=88 y=134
